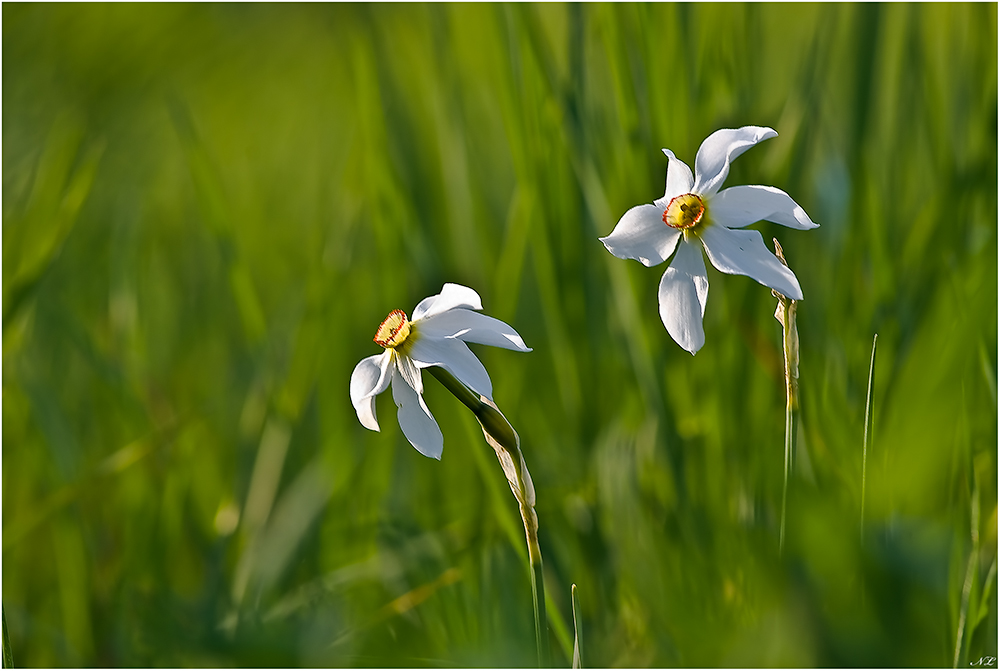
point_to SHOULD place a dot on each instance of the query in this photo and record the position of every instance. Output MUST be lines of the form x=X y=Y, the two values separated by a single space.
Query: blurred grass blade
x=559 y=629
x=984 y=601
x=52 y=212
x=8 y=656
x=217 y=213
x=113 y=465
x=577 y=655
x=963 y=635
x=401 y=604
x=869 y=419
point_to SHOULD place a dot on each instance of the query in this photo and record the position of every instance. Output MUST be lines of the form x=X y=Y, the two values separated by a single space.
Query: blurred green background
x=208 y=210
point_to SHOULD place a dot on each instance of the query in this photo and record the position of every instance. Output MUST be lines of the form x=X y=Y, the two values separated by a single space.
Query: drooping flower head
x=435 y=336
x=694 y=213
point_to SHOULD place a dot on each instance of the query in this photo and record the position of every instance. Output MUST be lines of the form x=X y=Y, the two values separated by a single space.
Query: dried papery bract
x=785 y=314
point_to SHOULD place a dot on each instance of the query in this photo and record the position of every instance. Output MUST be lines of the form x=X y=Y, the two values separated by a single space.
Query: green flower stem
x=491 y=418
x=537 y=593
x=790 y=345
x=501 y=435
x=791 y=429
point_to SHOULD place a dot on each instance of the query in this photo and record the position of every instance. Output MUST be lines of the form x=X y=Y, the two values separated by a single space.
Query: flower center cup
x=684 y=211
x=394 y=330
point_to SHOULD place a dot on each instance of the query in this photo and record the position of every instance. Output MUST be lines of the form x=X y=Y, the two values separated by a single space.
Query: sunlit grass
x=208 y=209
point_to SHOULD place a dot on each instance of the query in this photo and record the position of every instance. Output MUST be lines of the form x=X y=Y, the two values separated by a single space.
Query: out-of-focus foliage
x=208 y=209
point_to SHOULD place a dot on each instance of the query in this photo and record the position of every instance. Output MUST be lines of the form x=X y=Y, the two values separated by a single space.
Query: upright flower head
x=435 y=336
x=694 y=211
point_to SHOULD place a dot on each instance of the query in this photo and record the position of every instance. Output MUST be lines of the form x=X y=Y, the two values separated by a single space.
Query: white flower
x=693 y=210
x=436 y=336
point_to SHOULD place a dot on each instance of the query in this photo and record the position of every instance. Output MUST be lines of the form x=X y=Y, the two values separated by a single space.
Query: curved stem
x=492 y=420
x=785 y=314
x=504 y=440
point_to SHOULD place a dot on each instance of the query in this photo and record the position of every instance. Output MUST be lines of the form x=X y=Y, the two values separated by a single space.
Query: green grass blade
x=869 y=419
x=577 y=654
x=8 y=656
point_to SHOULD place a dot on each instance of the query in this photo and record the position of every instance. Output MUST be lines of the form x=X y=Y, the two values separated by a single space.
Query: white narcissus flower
x=693 y=211
x=435 y=336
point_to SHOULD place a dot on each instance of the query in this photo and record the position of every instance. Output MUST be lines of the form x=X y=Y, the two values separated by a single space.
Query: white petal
x=711 y=165
x=416 y=421
x=406 y=367
x=472 y=327
x=744 y=253
x=679 y=179
x=683 y=293
x=451 y=296
x=370 y=377
x=740 y=206
x=642 y=235
x=456 y=357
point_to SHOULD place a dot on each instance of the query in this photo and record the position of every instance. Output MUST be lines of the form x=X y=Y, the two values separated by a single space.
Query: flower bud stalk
x=785 y=313
x=505 y=442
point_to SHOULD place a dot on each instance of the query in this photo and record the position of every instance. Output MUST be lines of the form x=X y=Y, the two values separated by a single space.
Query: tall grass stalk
x=785 y=313
x=869 y=418
x=507 y=445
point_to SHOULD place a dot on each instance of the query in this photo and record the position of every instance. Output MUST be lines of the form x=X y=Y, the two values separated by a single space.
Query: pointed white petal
x=370 y=377
x=451 y=296
x=472 y=327
x=683 y=294
x=740 y=206
x=454 y=356
x=406 y=367
x=679 y=179
x=415 y=419
x=719 y=149
x=743 y=253
x=642 y=235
